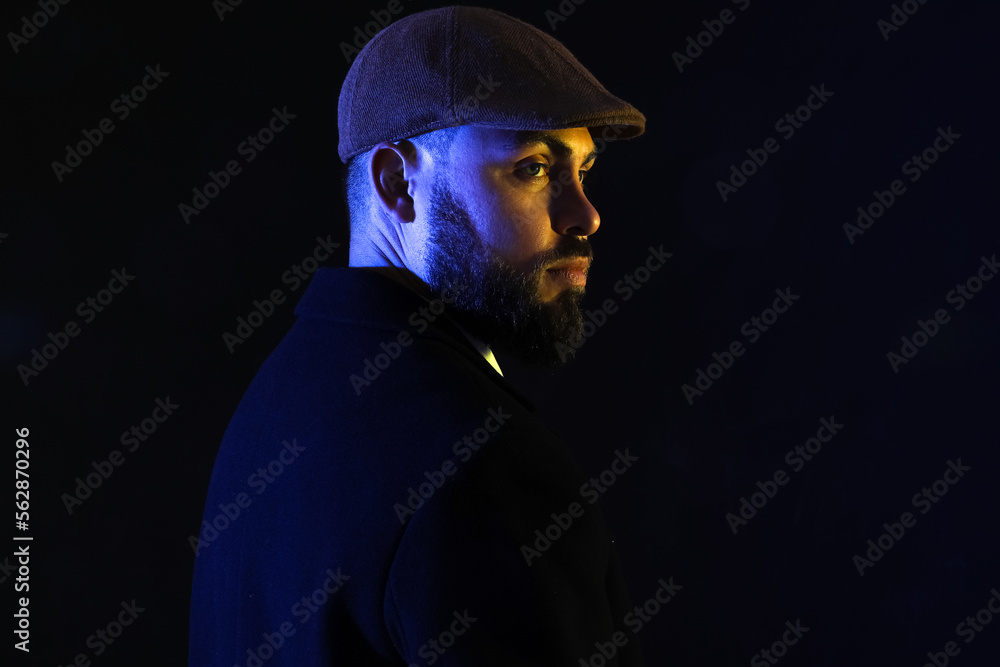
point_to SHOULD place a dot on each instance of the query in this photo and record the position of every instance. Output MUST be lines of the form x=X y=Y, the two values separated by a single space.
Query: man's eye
x=535 y=169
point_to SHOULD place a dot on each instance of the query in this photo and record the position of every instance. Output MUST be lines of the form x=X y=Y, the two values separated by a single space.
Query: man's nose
x=572 y=213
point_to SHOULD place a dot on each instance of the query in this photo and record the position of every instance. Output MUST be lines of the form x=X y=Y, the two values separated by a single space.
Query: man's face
x=509 y=222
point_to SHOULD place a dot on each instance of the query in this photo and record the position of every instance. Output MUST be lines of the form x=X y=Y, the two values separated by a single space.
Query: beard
x=496 y=302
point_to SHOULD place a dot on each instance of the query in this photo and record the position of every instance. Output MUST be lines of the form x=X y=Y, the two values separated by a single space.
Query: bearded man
x=390 y=498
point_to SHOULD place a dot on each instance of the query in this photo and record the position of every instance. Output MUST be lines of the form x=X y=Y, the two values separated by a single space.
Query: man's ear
x=392 y=168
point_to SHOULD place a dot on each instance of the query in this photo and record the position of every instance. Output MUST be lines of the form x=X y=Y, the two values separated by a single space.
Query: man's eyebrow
x=562 y=150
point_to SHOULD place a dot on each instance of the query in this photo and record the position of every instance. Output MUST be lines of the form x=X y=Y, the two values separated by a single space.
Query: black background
x=824 y=358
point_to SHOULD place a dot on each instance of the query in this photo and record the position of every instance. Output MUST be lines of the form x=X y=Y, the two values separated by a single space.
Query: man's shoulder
x=353 y=295
x=359 y=332
x=367 y=355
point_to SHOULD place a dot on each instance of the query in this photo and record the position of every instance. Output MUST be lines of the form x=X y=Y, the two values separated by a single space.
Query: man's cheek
x=519 y=238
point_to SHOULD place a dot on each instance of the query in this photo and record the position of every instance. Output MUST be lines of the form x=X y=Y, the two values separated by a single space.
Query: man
x=388 y=497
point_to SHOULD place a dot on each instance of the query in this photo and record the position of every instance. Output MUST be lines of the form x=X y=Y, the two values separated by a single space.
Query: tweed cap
x=470 y=66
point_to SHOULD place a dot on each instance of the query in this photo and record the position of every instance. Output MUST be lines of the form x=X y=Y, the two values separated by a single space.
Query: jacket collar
x=366 y=298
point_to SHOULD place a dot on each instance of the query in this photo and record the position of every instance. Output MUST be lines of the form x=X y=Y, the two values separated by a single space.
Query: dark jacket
x=393 y=522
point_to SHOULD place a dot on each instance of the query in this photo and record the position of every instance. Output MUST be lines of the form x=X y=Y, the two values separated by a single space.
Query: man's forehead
x=564 y=144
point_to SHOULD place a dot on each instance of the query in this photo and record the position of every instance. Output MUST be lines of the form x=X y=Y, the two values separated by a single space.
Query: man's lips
x=572 y=271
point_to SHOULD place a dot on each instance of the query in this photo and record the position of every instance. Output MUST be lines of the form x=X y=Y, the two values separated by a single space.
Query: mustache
x=570 y=247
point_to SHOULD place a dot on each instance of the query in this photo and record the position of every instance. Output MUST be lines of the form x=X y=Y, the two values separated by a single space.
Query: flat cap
x=470 y=66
